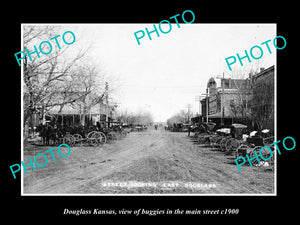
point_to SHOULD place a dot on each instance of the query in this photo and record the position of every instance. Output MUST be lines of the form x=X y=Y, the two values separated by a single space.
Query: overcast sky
x=165 y=74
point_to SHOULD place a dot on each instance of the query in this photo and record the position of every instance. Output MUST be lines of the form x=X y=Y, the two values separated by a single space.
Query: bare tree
x=48 y=79
x=92 y=92
x=241 y=103
x=262 y=105
x=181 y=117
x=140 y=117
x=256 y=104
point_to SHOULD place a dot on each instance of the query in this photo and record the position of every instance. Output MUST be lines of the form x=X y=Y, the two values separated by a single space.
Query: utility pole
x=198 y=99
x=106 y=102
x=189 y=109
x=222 y=101
x=207 y=102
x=222 y=98
x=100 y=101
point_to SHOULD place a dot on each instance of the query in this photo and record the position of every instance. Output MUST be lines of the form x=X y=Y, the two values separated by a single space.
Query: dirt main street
x=147 y=162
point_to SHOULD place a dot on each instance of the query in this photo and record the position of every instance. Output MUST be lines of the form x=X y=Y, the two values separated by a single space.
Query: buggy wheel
x=89 y=138
x=231 y=145
x=254 y=161
x=266 y=154
x=214 y=141
x=222 y=143
x=201 y=139
x=272 y=160
x=78 y=139
x=195 y=136
x=93 y=141
x=101 y=137
x=97 y=138
x=112 y=136
x=68 y=140
x=242 y=150
x=124 y=133
x=90 y=134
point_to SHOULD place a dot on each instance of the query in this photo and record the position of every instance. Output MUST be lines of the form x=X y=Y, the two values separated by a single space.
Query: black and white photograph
x=109 y=111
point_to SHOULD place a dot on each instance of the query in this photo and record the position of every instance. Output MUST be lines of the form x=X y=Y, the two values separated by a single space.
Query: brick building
x=249 y=101
x=231 y=94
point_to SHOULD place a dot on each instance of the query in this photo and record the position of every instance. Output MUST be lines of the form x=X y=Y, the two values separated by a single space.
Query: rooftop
x=263 y=71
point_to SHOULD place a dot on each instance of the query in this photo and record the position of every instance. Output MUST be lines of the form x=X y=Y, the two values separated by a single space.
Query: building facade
x=249 y=101
x=75 y=116
x=227 y=103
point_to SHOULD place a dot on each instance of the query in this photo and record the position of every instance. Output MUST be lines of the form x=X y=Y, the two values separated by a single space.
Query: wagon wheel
x=195 y=137
x=98 y=138
x=78 y=138
x=256 y=149
x=222 y=143
x=89 y=137
x=103 y=138
x=207 y=140
x=273 y=157
x=242 y=150
x=265 y=154
x=201 y=139
x=93 y=140
x=73 y=139
x=124 y=133
x=90 y=134
x=214 y=141
x=219 y=140
x=112 y=136
x=69 y=140
x=231 y=145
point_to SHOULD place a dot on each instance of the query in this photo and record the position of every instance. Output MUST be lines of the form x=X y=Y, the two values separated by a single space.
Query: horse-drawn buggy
x=200 y=131
x=79 y=135
x=177 y=127
x=238 y=143
x=253 y=145
x=93 y=138
x=99 y=135
x=235 y=137
x=235 y=140
x=136 y=127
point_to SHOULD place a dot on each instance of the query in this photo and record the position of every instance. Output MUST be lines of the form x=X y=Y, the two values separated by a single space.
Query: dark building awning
x=196 y=119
